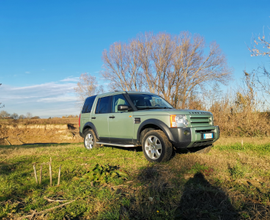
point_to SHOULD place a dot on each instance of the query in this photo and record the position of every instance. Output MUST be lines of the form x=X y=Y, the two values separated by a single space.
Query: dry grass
x=245 y=140
x=231 y=182
x=39 y=121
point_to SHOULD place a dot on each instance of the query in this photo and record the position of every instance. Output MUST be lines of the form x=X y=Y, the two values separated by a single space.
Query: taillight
x=80 y=120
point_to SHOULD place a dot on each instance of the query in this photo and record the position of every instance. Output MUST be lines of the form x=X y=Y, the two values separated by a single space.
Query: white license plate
x=208 y=136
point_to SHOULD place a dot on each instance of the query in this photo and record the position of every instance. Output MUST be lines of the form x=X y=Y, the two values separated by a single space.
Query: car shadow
x=161 y=195
x=135 y=149
x=185 y=151
x=201 y=200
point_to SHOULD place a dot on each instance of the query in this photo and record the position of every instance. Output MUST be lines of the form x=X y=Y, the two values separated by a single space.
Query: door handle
x=111 y=116
x=93 y=118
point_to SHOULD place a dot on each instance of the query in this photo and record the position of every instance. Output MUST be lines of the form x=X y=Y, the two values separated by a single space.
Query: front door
x=120 y=122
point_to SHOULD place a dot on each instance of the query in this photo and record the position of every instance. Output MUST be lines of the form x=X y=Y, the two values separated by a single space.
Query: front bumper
x=193 y=137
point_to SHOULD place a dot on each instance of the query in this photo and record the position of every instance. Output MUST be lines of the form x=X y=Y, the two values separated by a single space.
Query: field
x=230 y=182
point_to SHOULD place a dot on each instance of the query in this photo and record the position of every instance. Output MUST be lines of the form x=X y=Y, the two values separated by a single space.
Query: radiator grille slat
x=200 y=120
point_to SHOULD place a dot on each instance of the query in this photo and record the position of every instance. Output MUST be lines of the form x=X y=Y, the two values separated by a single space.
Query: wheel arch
x=90 y=125
x=157 y=125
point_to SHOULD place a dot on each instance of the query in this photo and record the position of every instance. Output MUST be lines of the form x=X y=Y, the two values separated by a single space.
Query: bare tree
x=87 y=86
x=21 y=117
x=261 y=47
x=121 y=66
x=172 y=66
x=14 y=116
x=4 y=114
x=28 y=115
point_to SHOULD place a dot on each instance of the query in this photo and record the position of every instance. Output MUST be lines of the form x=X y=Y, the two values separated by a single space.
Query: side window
x=118 y=100
x=104 y=105
x=88 y=104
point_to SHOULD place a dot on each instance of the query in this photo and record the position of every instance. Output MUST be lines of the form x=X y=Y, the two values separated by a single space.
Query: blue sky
x=46 y=45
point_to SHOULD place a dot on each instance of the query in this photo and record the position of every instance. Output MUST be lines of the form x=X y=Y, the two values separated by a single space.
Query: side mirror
x=124 y=107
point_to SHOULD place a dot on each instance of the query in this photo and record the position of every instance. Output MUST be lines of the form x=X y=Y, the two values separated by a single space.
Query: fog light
x=186 y=132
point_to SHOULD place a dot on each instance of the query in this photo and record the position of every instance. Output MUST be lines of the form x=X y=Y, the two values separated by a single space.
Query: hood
x=174 y=111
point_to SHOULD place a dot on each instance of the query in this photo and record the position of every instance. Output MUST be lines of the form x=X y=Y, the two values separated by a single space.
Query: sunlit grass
x=232 y=181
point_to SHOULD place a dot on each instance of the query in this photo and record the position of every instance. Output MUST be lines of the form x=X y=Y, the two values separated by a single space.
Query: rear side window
x=88 y=104
x=104 y=105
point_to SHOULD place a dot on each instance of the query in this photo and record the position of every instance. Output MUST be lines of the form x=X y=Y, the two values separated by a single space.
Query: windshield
x=148 y=101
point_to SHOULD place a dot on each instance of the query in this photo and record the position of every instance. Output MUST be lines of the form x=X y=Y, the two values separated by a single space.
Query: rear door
x=100 y=118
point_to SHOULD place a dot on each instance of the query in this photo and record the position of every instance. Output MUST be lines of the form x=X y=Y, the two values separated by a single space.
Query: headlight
x=178 y=121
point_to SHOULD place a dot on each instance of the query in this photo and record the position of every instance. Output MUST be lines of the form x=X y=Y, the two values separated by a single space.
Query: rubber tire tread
x=167 y=148
x=94 y=137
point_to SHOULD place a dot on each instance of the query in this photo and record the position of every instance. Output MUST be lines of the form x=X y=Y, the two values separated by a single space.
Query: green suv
x=131 y=119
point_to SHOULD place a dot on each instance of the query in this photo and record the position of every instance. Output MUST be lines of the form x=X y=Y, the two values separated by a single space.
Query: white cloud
x=58 y=99
x=27 y=72
x=71 y=79
x=44 y=100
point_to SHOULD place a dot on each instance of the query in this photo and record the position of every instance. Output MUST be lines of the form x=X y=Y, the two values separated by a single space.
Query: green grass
x=231 y=182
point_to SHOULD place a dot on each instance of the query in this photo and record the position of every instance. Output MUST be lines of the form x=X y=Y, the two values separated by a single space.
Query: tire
x=144 y=132
x=205 y=150
x=156 y=146
x=90 y=139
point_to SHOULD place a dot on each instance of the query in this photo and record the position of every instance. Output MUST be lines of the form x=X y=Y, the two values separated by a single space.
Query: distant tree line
x=70 y=116
x=6 y=115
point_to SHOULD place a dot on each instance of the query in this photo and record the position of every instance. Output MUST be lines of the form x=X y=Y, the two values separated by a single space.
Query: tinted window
x=88 y=104
x=104 y=105
x=149 y=101
x=118 y=100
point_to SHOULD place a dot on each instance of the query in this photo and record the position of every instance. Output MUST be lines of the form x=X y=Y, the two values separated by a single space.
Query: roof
x=121 y=92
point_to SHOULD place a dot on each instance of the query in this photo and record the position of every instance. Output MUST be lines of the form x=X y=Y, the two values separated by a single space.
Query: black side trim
x=92 y=126
x=156 y=123
x=122 y=141
x=105 y=139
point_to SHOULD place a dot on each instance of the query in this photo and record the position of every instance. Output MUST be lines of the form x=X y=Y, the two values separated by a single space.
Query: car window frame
x=112 y=104
x=86 y=104
x=109 y=106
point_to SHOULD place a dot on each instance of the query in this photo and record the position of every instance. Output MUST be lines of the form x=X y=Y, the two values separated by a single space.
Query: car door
x=120 y=122
x=100 y=118
x=86 y=111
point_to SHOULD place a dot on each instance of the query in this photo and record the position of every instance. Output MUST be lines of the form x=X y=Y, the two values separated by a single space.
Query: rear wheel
x=156 y=146
x=90 y=139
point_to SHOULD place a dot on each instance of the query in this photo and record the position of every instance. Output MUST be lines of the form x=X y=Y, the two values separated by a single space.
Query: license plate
x=208 y=136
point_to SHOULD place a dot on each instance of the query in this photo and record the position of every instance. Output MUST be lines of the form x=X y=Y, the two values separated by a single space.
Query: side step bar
x=118 y=145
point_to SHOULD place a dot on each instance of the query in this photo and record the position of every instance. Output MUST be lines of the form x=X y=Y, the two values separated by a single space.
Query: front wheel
x=156 y=146
x=89 y=139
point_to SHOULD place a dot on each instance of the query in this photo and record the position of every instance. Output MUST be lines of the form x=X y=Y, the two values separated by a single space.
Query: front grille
x=200 y=120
